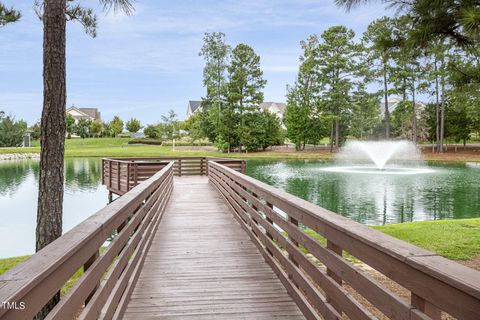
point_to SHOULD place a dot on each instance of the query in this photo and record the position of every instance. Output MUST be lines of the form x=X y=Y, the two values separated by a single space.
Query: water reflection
x=84 y=195
x=450 y=192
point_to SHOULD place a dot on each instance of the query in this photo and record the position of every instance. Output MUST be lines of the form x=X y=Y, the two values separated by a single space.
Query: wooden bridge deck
x=203 y=265
x=205 y=241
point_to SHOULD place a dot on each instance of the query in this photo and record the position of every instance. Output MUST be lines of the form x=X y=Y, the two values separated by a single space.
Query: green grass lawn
x=119 y=147
x=452 y=239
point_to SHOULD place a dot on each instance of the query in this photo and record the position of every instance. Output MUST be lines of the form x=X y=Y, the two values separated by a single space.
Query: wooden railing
x=322 y=278
x=110 y=272
x=122 y=174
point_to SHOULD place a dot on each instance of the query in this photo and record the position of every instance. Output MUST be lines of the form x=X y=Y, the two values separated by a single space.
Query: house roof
x=393 y=104
x=279 y=105
x=92 y=112
x=194 y=105
x=77 y=110
x=85 y=112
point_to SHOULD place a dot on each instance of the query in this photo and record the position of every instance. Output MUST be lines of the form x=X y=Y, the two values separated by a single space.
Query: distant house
x=393 y=103
x=84 y=113
x=277 y=108
x=193 y=107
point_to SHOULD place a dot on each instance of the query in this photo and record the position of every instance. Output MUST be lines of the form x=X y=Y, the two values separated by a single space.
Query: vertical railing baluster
x=338 y=250
x=87 y=265
x=426 y=307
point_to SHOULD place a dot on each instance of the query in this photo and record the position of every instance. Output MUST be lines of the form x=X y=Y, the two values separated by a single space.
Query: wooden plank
x=188 y=272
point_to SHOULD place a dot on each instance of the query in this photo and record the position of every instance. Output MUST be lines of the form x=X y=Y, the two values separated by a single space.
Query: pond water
x=449 y=192
x=443 y=191
x=84 y=195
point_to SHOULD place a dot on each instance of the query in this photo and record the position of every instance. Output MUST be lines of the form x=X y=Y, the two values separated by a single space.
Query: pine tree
x=338 y=64
x=8 y=15
x=245 y=86
x=380 y=43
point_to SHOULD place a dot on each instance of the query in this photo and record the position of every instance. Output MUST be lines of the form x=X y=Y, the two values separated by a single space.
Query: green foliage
x=168 y=128
x=106 y=129
x=8 y=15
x=458 y=125
x=246 y=79
x=82 y=128
x=35 y=131
x=193 y=125
x=222 y=144
x=116 y=126
x=11 y=131
x=215 y=53
x=96 y=128
x=151 y=141
x=133 y=125
x=260 y=130
x=151 y=131
x=365 y=114
x=70 y=123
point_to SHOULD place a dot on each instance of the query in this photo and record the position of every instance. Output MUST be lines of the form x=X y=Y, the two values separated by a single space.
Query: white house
x=393 y=103
x=84 y=113
x=277 y=108
x=193 y=107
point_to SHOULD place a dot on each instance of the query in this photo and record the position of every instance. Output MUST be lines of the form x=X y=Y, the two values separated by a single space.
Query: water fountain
x=379 y=157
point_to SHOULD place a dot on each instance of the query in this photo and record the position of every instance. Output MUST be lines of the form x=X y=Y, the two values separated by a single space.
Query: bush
x=187 y=141
x=151 y=131
x=156 y=142
x=11 y=131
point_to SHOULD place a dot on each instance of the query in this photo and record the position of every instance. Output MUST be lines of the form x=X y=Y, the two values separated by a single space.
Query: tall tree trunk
x=331 y=138
x=414 y=114
x=387 y=112
x=442 y=113
x=437 y=109
x=337 y=133
x=53 y=127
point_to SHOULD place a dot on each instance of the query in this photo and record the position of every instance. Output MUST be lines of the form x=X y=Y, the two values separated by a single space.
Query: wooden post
x=426 y=307
x=295 y=242
x=270 y=222
x=118 y=176
x=128 y=177
x=179 y=167
x=87 y=265
x=335 y=248
x=135 y=175
x=109 y=174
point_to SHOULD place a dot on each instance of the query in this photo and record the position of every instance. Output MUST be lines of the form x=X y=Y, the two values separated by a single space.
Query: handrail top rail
x=17 y=281
x=445 y=270
x=166 y=158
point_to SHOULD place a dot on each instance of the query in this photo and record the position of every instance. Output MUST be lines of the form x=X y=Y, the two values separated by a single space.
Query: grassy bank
x=453 y=239
x=119 y=147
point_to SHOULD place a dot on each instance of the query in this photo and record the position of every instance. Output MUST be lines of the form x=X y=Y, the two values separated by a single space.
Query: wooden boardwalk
x=196 y=238
x=203 y=265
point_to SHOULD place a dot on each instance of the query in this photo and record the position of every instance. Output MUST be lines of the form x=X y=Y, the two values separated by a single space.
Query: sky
x=146 y=64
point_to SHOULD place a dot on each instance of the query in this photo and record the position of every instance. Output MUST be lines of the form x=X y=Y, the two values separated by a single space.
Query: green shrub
x=157 y=142
x=186 y=141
